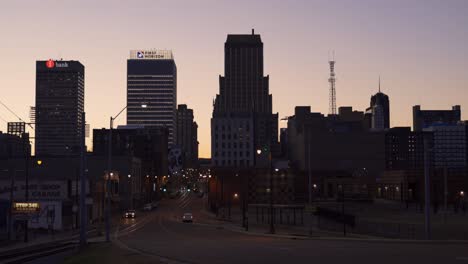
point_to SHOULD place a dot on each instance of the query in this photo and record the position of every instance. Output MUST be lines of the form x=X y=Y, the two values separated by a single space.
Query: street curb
x=343 y=239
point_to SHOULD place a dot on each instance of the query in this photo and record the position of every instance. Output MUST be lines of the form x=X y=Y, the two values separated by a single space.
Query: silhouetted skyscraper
x=59 y=104
x=187 y=136
x=380 y=111
x=242 y=117
x=152 y=81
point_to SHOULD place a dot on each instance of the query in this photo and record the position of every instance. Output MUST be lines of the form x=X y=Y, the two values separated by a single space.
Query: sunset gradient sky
x=419 y=47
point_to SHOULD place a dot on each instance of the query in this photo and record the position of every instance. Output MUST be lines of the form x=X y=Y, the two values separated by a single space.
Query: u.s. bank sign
x=56 y=64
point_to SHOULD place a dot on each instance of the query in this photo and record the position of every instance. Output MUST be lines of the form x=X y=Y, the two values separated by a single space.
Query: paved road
x=161 y=233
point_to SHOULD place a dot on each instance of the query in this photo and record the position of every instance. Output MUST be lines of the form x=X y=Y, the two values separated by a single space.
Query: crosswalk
x=184 y=200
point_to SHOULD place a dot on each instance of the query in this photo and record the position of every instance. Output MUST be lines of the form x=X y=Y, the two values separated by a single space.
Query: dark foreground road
x=162 y=234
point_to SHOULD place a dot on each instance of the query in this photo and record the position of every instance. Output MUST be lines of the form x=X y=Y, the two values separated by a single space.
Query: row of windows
x=142 y=76
x=240 y=128
x=234 y=145
x=233 y=162
x=234 y=137
x=234 y=154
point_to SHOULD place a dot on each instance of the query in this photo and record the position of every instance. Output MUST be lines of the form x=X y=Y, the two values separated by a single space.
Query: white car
x=147 y=207
x=187 y=218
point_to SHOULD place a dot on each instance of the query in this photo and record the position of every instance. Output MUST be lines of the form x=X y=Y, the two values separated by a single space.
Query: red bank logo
x=50 y=64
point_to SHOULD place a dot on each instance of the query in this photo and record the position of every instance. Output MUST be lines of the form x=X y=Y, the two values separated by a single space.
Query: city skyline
x=399 y=41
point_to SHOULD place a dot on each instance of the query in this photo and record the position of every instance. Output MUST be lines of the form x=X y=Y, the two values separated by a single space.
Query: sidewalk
x=281 y=230
x=35 y=240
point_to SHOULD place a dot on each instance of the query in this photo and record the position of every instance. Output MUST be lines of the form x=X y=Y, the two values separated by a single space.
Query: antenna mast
x=331 y=80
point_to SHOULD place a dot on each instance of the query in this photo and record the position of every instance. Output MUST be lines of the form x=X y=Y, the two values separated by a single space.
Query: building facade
x=152 y=90
x=333 y=149
x=14 y=146
x=426 y=118
x=187 y=136
x=148 y=144
x=59 y=106
x=404 y=149
x=242 y=119
x=449 y=145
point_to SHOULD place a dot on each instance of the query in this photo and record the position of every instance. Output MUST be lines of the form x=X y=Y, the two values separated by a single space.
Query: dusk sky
x=419 y=48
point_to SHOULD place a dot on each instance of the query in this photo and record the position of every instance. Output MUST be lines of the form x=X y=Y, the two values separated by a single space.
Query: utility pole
x=83 y=215
x=310 y=184
x=343 y=209
x=109 y=169
x=272 y=213
x=427 y=195
x=10 y=215
x=27 y=153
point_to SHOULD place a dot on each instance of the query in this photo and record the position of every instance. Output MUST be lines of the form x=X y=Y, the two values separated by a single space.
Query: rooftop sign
x=151 y=55
x=50 y=64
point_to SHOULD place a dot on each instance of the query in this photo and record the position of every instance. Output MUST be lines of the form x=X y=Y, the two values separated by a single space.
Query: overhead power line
x=17 y=116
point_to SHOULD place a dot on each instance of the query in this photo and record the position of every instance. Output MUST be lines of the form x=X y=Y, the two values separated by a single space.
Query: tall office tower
x=187 y=136
x=242 y=119
x=59 y=104
x=152 y=83
x=380 y=111
x=427 y=118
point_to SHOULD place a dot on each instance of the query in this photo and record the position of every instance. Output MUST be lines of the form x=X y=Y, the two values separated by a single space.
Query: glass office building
x=152 y=83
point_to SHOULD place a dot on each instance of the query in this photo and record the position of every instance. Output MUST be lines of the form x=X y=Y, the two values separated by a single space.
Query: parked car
x=130 y=214
x=187 y=218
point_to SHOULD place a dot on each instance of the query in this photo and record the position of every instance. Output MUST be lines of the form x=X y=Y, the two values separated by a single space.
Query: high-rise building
x=242 y=119
x=59 y=106
x=187 y=136
x=426 y=118
x=152 y=83
x=380 y=111
x=449 y=147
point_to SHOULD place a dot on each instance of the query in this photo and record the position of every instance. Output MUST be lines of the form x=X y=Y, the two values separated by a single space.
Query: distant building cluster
x=137 y=167
x=347 y=153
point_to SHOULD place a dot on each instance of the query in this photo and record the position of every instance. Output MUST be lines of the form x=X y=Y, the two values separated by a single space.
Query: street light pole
x=272 y=213
x=27 y=153
x=427 y=195
x=109 y=170
x=272 y=227
x=310 y=186
x=83 y=183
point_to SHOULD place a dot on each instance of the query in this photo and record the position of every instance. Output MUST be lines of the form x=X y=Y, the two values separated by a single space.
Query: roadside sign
x=25 y=208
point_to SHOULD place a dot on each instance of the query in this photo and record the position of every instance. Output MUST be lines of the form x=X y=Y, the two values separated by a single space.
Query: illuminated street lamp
x=109 y=168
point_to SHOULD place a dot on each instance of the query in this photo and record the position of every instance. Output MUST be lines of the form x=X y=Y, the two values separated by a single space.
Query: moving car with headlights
x=187 y=218
x=130 y=214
